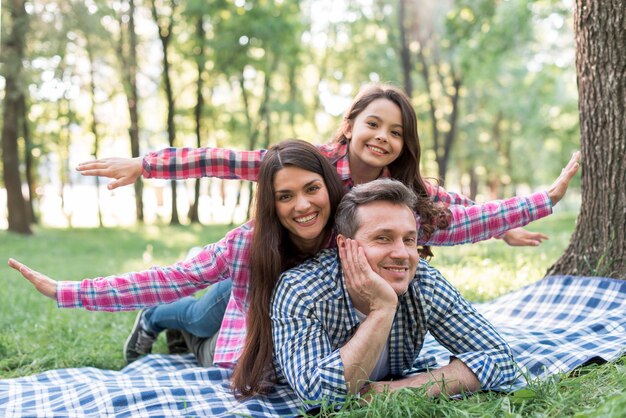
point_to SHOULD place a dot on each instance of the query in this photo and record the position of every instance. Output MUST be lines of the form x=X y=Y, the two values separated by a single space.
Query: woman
x=298 y=193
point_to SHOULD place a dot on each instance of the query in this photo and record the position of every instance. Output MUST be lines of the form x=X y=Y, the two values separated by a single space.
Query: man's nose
x=399 y=249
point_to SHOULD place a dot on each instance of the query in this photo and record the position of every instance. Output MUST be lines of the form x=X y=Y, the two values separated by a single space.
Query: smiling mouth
x=397 y=269
x=376 y=149
x=305 y=219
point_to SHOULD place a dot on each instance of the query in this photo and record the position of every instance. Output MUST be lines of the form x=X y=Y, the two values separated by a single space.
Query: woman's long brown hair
x=406 y=167
x=271 y=253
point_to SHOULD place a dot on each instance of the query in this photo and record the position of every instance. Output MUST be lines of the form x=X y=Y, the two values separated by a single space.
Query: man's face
x=388 y=235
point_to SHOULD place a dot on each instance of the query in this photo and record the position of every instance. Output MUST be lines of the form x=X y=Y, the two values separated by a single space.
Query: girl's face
x=302 y=206
x=375 y=135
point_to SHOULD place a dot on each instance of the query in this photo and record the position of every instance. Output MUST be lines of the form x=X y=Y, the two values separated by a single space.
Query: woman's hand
x=559 y=187
x=44 y=284
x=125 y=171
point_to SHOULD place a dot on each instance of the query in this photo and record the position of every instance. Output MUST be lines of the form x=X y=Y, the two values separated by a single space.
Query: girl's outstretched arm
x=44 y=284
x=177 y=163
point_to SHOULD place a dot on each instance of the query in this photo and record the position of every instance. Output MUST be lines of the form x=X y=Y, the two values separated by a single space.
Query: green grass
x=36 y=336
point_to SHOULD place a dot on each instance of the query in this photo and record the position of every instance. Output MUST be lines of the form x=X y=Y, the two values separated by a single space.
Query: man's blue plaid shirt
x=313 y=317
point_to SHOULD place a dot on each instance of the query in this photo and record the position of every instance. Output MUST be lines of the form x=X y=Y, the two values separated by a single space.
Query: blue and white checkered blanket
x=552 y=326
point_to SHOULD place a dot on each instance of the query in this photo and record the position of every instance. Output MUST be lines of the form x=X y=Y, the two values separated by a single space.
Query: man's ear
x=341 y=241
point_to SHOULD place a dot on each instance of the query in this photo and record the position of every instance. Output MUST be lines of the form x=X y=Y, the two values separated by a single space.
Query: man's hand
x=44 y=284
x=364 y=285
x=519 y=237
x=559 y=187
x=125 y=171
x=453 y=379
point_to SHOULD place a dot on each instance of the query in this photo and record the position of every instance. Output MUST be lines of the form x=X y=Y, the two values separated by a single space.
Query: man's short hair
x=385 y=189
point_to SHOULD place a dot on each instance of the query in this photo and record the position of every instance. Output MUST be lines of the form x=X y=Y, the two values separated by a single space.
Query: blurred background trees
x=493 y=83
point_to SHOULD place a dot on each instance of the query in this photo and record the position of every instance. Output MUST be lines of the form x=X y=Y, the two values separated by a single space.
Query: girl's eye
x=372 y=124
x=396 y=133
x=283 y=197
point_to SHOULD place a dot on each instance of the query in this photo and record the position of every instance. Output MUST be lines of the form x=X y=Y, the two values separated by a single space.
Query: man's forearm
x=452 y=379
x=360 y=354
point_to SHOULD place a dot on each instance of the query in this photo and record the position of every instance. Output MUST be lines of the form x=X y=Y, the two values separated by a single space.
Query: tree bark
x=165 y=35
x=127 y=53
x=29 y=165
x=194 y=216
x=598 y=245
x=13 y=51
x=405 y=52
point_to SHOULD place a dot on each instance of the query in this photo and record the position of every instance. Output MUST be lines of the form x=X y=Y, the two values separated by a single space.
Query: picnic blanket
x=553 y=326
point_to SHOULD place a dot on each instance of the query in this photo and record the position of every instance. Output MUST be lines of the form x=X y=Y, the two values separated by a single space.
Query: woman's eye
x=283 y=198
x=313 y=189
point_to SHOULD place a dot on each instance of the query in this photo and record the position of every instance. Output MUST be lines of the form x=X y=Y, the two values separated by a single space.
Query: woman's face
x=302 y=205
x=376 y=134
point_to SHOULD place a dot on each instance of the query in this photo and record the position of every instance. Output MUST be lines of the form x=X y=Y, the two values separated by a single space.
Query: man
x=359 y=313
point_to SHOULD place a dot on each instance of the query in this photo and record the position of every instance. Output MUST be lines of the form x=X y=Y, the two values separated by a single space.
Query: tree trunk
x=13 y=54
x=127 y=54
x=200 y=60
x=165 y=35
x=598 y=245
x=405 y=52
x=28 y=162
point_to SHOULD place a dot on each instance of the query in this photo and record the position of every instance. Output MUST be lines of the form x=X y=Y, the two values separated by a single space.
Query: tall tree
x=127 y=54
x=200 y=57
x=165 y=25
x=13 y=55
x=598 y=245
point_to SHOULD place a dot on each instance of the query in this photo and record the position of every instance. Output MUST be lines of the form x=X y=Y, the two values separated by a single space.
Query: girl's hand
x=44 y=284
x=125 y=171
x=559 y=187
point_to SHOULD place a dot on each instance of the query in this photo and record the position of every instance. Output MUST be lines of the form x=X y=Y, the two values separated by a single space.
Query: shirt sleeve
x=440 y=195
x=159 y=284
x=457 y=326
x=302 y=349
x=480 y=222
x=184 y=163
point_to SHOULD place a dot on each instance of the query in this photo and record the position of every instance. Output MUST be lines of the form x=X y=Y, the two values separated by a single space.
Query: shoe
x=139 y=342
x=176 y=342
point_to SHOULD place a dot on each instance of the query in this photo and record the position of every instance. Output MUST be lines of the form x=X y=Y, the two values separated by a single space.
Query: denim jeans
x=201 y=317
